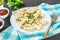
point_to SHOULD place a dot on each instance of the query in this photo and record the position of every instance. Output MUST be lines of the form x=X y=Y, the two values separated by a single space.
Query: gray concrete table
x=32 y=3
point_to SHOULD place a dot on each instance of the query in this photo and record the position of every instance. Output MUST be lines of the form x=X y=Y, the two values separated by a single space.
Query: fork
x=53 y=19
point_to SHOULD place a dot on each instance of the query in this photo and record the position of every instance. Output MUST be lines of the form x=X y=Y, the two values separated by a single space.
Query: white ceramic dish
x=15 y=24
x=4 y=16
x=2 y=23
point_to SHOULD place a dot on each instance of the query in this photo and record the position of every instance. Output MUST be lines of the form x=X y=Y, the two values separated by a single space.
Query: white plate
x=15 y=24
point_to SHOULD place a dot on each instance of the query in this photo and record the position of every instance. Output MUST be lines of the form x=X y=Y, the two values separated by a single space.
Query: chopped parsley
x=30 y=16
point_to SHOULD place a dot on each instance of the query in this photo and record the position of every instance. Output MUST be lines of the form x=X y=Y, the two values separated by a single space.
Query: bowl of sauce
x=4 y=12
x=1 y=23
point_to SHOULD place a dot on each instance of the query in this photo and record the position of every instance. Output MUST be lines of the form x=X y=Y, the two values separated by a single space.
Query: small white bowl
x=2 y=23
x=4 y=16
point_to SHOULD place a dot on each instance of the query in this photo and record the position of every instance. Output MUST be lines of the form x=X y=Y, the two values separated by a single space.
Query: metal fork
x=53 y=19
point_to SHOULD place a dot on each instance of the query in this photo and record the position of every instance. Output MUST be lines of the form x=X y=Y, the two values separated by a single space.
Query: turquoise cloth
x=11 y=34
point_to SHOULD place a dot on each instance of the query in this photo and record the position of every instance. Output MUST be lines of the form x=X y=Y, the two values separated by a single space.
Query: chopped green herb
x=30 y=16
x=14 y=3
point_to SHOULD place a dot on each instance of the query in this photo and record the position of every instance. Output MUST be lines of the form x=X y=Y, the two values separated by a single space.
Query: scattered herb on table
x=15 y=4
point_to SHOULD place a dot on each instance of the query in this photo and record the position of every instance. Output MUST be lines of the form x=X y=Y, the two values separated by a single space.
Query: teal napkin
x=11 y=34
x=56 y=25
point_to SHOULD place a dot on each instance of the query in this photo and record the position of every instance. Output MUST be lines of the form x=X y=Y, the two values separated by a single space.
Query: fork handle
x=46 y=33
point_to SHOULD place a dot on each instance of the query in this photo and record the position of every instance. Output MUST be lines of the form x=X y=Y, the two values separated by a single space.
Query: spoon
x=54 y=18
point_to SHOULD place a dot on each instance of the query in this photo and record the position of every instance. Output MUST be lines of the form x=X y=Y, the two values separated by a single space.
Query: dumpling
x=30 y=11
x=43 y=21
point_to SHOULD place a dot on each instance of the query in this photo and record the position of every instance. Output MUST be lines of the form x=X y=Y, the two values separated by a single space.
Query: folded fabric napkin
x=11 y=34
